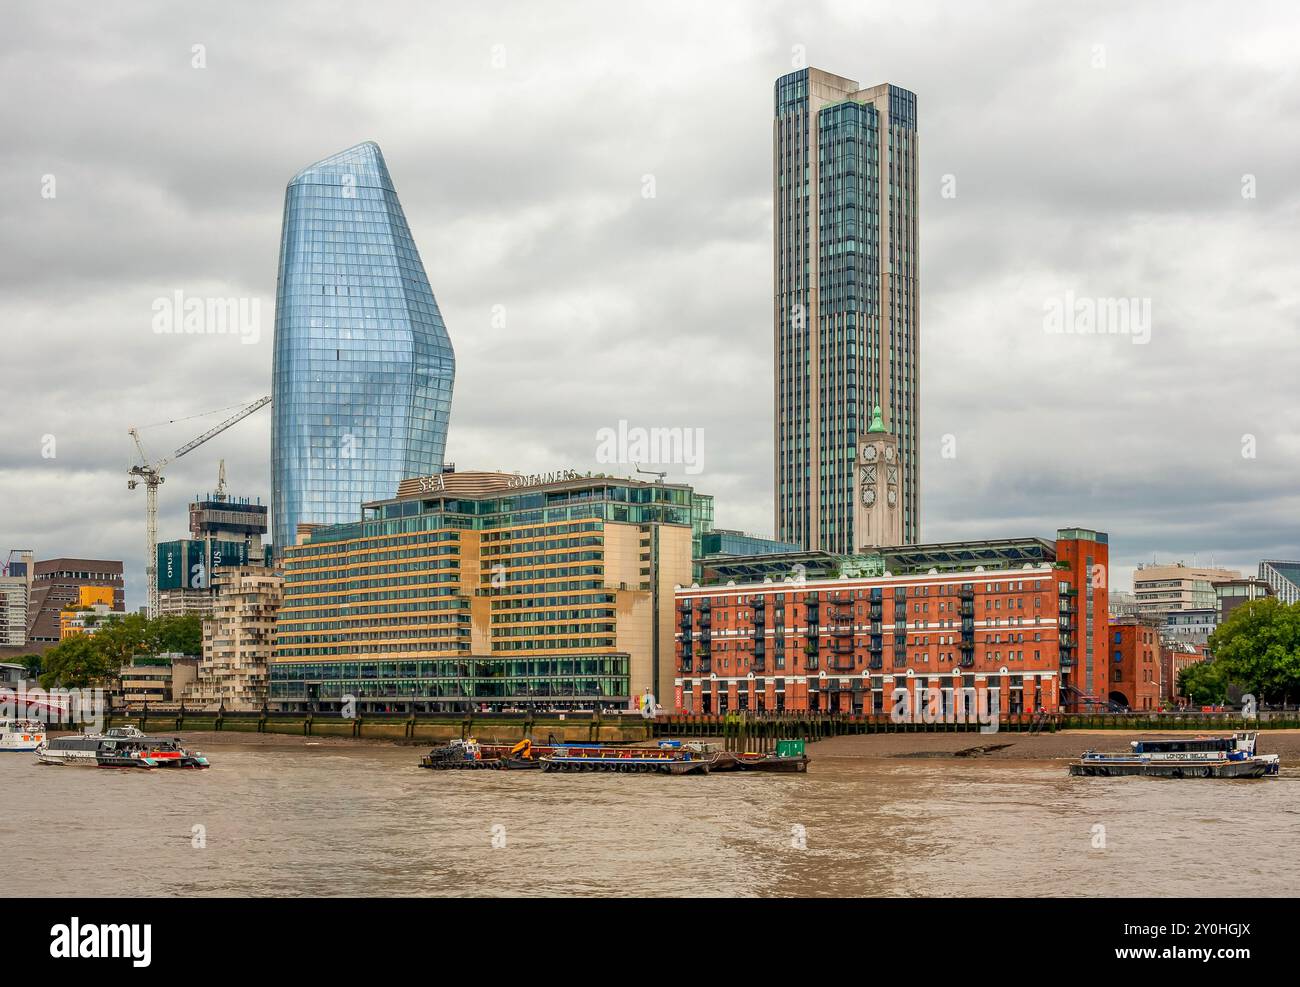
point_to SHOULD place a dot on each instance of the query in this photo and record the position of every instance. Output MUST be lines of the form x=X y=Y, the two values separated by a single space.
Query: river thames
x=288 y=817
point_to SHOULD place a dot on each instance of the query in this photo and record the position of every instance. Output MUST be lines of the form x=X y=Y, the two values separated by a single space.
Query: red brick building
x=1135 y=667
x=845 y=645
x=1174 y=657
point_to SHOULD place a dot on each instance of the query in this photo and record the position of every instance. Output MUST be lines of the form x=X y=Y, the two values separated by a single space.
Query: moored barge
x=1194 y=757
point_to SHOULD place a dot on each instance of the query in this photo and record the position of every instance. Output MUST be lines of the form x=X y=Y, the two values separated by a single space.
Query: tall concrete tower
x=845 y=307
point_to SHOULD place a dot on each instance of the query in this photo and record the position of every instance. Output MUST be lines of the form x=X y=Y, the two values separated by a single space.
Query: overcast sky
x=1106 y=150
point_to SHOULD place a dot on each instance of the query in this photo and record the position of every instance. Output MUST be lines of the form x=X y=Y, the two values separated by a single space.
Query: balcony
x=842 y=630
x=875 y=663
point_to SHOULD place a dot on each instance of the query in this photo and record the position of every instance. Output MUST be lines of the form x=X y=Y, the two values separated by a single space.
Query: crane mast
x=152 y=478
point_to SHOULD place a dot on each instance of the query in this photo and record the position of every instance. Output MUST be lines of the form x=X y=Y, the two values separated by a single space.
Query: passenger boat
x=121 y=747
x=21 y=736
x=168 y=753
x=92 y=751
x=1193 y=757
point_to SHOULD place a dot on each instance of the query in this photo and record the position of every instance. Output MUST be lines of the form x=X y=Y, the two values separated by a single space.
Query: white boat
x=78 y=748
x=21 y=736
x=119 y=747
x=1192 y=757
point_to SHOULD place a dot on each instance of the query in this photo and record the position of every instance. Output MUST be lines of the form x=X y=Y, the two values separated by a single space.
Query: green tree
x=179 y=633
x=1203 y=683
x=76 y=662
x=123 y=640
x=1258 y=649
x=32 y=663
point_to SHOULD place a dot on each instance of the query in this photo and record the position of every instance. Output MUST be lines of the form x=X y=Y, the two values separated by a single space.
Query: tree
x=179 y=633
x=1203 y=683
x=76 y=662
x=32 y=663
x=98 y=659
x=1258 y=649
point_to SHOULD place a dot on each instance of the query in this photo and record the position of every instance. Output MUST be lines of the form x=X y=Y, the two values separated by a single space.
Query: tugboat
x=464 y=755
x=21 y=736
x=1195 y=757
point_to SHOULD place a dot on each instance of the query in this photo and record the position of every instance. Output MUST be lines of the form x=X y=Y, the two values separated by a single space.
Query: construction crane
x=152 y=478
x=658 y=473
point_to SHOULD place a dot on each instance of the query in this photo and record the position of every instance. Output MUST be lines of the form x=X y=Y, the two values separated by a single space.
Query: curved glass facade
x=363 y=367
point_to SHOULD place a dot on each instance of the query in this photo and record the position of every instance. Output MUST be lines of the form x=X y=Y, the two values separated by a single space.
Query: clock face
x=868 y=454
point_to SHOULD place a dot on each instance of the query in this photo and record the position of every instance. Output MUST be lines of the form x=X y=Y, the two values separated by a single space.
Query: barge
x=629 y=760
x=1233 y=756
x=788 y=757
x=668 y=757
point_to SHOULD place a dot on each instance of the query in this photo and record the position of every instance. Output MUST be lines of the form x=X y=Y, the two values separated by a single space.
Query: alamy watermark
x=1076 y=316
x=71 y=707
x=626 y=444
x=194 y=315
x=969 y=705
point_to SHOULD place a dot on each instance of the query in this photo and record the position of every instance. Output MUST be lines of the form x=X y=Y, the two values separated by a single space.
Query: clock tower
x=878 y=494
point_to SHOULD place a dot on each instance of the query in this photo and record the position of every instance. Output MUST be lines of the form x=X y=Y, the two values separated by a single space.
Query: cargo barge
x=1195 y=757
x=670 y=757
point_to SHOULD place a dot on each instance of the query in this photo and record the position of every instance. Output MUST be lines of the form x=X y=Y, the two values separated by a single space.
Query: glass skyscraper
x=363 y=367
x=845 y=297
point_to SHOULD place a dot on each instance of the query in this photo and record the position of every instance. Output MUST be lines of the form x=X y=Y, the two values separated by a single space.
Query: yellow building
x=494 y=590
x=93 y=608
